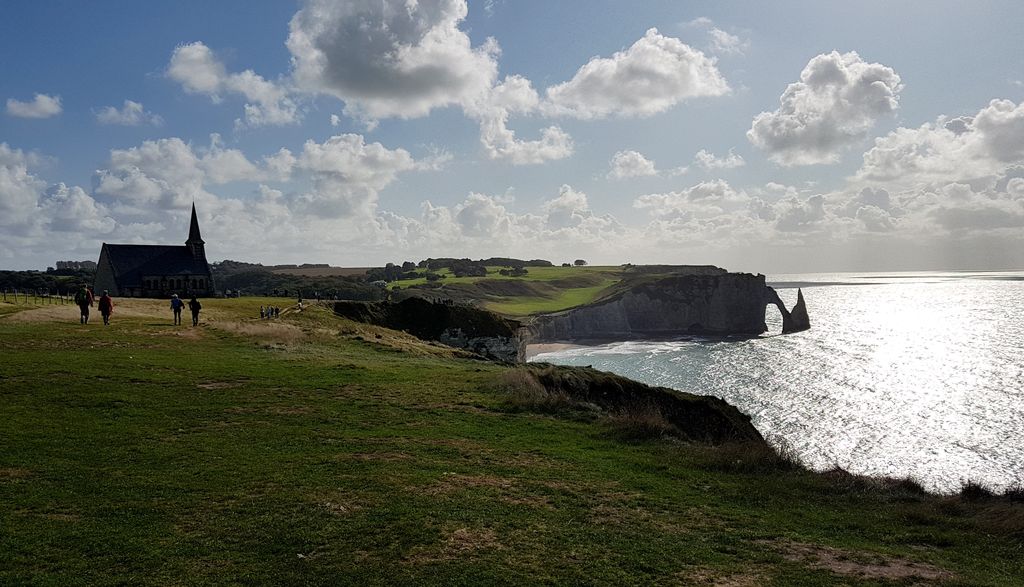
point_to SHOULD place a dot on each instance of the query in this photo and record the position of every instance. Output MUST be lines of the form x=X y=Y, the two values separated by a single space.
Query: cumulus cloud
x=31 y=212
x=199 y=71
x=515 y=94
x=390 y=59
x=627 y=164
x=709 y=161
x=963 y=148
x=651 y=76
x=720 y=41
x=347 y=175
x=41 y=106
x=836 y=102
x=130 y=114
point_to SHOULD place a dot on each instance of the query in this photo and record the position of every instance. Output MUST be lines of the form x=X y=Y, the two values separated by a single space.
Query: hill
x=315 y=450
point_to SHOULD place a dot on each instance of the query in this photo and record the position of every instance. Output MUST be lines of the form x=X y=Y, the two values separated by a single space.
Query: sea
x=916 y=374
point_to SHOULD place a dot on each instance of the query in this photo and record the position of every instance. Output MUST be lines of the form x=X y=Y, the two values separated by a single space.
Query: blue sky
x=392 y=141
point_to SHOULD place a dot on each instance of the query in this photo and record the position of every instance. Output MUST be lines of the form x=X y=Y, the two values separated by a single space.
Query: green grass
x=547 y=289
x=287 y=453
x=564 y=299
x=533 y=274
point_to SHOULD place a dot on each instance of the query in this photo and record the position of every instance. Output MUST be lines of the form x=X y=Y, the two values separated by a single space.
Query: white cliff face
x=727 y=303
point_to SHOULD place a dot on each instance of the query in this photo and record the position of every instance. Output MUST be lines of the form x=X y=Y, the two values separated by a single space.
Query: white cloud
x=19 y=188
x=709 y=161
x=965 y=148
x=836 y=102
x=41 y=106
x=131 y=114
x=720 y=41
x=390 y=58
x=70 y=209
x=651 y=76
x=199 y=71
x=31 y=212
x=627 y=164
x=515 y=94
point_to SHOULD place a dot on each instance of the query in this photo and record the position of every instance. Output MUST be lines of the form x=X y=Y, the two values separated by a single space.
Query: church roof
x=193 y=229
x=132 y=262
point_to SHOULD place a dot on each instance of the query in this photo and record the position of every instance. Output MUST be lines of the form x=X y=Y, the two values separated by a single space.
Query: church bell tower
x=195 y=240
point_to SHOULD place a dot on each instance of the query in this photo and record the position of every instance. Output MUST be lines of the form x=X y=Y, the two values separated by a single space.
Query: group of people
x=269 y=312
x=193 y=305
x=85 y=300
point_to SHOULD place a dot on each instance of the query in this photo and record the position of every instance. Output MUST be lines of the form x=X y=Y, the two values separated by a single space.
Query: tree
x=408 y=266
x=579 y=262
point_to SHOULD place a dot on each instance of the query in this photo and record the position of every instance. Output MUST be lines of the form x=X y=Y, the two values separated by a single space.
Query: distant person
x=277 y=311
x=195 y=306
x=176 y=306
x=106 y=307
x=263 y=313
x=84 y=300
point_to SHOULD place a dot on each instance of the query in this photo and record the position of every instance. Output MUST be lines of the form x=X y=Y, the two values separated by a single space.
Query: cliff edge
x=711 y=302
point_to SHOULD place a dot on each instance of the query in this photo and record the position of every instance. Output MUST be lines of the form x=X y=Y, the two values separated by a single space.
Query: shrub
x=641 y=422
x=751 y=457
x=525 y=393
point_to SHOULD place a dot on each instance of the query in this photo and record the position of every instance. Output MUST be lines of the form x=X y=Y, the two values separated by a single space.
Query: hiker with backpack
x=176 y=306
x=84 y=300
x=195 y=306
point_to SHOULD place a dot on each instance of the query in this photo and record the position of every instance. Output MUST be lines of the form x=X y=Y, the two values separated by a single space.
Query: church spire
x=193 y=231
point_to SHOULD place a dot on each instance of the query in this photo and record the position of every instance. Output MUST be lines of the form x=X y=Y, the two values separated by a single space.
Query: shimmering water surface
x=902 y=374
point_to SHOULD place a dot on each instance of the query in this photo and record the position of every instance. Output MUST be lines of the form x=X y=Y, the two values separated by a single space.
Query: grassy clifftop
x=314 y=450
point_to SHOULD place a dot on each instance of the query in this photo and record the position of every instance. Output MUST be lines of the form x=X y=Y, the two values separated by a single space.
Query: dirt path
x=69 y=312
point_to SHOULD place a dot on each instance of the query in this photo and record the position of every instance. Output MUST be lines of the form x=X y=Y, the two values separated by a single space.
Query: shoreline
x=534 y=349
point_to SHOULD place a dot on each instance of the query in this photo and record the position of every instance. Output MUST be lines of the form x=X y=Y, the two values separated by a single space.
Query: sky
x=766 y=137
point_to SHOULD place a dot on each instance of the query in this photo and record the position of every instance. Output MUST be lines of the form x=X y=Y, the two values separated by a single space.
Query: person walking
x=195 y=306
x=84 y=300
x=106 y=307
x=176 y=306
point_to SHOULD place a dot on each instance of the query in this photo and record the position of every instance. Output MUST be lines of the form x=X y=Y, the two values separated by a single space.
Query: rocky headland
x=698 y=300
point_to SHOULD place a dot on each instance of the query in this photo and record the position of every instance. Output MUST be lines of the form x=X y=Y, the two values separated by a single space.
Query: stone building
x=156 y=271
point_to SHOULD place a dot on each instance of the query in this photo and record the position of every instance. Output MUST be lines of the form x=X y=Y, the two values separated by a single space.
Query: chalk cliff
x=702 y=302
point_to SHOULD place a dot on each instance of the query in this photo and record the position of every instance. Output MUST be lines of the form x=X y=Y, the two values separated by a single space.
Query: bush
x=642 y=422
x=751 y=457
x=525 y=393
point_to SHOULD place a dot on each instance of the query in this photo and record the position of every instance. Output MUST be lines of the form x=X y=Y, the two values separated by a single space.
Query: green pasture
x=311 y=451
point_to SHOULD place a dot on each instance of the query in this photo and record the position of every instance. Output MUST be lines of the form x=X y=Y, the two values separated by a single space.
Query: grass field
x=542 y=289
x=314 y=451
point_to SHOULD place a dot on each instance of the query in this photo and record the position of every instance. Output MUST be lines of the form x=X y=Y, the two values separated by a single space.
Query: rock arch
x=794 y=320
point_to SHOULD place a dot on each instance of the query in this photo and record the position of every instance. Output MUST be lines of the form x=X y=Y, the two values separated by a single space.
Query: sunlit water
x=909 y=374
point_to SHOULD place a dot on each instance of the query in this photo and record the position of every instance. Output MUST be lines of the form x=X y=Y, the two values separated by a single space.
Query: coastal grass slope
x=313 y=450
x=542 y=289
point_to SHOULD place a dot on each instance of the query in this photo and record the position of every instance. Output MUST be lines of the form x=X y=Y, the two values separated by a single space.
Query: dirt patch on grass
x=719 y=578
x=460 y=544
x=123 y=308
x=377 y=457
x=451 y=482
x=265 y=332
x=10 y=473
x=860 y=564
x=290 y=411
x=217 y=385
